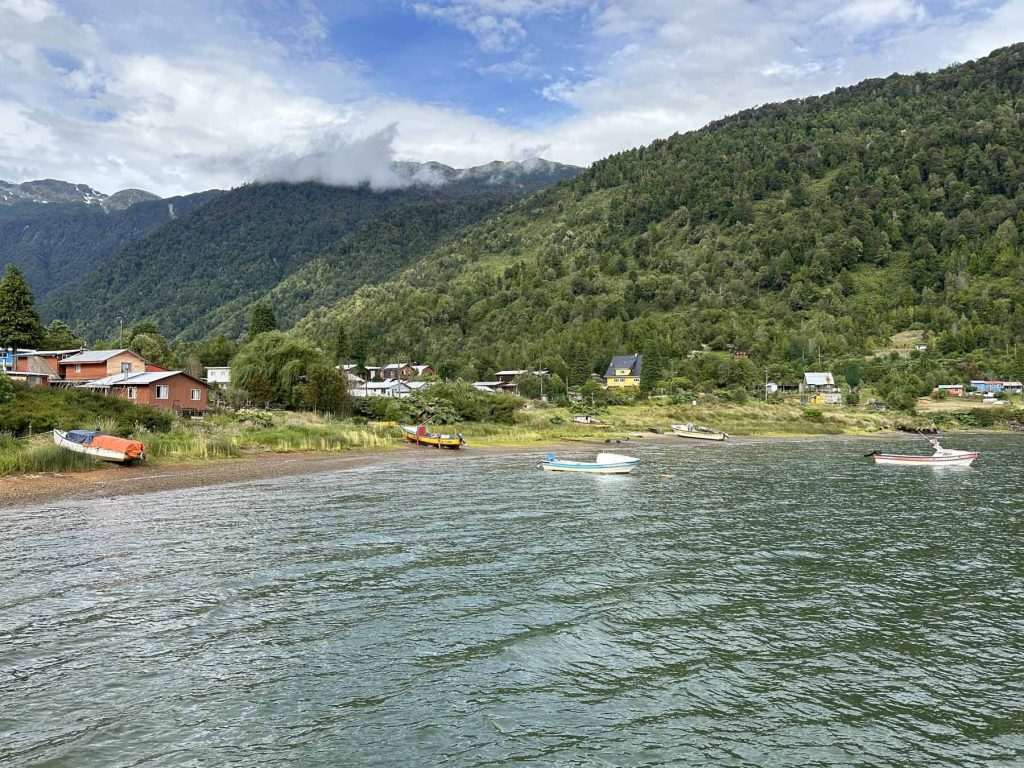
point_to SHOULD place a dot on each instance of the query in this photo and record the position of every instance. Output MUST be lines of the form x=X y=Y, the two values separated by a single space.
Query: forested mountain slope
x=57 y=243
x=796 y=232
x=199 y=276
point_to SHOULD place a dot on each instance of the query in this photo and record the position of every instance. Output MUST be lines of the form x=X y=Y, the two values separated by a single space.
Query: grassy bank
x=232 y=436
x=218 y=437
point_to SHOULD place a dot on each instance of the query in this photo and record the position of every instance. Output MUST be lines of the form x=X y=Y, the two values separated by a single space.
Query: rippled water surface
x=748 y=604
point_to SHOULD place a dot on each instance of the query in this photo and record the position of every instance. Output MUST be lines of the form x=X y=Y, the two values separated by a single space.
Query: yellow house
x=624 y=371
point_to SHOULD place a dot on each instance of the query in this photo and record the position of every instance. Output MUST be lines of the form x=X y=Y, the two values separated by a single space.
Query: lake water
x=746 y=604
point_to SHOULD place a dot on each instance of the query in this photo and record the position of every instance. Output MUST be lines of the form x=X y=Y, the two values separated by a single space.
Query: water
x=762 y=604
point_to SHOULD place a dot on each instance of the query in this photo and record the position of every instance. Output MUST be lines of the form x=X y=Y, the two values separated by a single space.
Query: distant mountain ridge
x=298 y=245
x=46 y=191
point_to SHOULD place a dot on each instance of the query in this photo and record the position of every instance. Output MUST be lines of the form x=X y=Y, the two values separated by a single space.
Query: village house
x=98 y=363
x=387 y=388
x=819 y=388
x=219 y=375
x=167 y=390
x=997 y=387
x=953 y=390
x=624 y=371
x=496 y=387
x=406 y=371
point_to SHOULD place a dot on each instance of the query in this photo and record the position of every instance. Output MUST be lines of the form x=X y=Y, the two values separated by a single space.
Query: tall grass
x=18 y=457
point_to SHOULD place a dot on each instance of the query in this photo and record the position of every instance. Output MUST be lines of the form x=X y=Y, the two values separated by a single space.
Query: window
x=78 y=367
x=196 y=394
x=133 y=393
x=163 y=392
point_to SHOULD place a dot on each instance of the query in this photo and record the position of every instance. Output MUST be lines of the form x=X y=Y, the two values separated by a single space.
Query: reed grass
x=20 y=457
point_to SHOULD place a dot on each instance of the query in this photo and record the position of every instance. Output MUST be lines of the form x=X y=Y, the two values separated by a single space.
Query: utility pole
x=121 y=321
x=766 y=385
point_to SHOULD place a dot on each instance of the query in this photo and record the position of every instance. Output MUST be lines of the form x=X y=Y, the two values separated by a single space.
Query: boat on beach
x=101 y=446
x=697 y=432
x=942 y=457
x=591 y=421
x=605 y=464
x=420 y=436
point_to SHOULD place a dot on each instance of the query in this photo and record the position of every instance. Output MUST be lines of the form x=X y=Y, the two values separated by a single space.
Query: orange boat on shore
x=105 y=447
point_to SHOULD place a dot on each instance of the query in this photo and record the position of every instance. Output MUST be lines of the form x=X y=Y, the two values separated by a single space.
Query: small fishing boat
x=421 y=436
x=605 y=464
x=105 y=447
x=591 y=421
x=942 y=457
x=697 y=432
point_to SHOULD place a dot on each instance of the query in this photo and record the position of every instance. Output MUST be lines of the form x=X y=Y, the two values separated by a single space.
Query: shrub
x=813 y=415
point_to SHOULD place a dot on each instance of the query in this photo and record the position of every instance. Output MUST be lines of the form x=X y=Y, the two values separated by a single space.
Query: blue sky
x=178 y=96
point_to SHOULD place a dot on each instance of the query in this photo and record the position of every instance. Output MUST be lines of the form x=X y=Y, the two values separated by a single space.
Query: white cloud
x=177 y=97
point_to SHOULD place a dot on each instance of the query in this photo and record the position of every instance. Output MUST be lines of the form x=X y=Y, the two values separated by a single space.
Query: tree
x=651 y=367
x=6 y=389
x=341 y=344
x=60 y=336
x=262 y=320
x=20 y=325
x=326 y=389
x=275 y=367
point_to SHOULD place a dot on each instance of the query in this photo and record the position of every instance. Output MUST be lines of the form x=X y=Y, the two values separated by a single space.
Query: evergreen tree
x=60 y=336
x=341 y=344
x=20 y=325
x=650 y=368
x=262 y=320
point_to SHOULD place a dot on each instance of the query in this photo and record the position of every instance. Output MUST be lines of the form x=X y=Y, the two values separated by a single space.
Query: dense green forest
x=199 y=275
x=804 y=234
x=57 y=244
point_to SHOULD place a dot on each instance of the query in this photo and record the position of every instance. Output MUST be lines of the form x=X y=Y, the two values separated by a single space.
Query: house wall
x=180 y=394
x=622 y=381
x=112 y=366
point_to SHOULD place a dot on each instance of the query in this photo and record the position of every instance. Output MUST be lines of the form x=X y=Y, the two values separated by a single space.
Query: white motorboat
x=698 y=433
x=942 y=457
x=605 y=464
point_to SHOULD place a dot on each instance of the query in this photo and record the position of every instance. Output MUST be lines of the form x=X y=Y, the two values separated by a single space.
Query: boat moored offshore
x=942 y=457
x=605 y=464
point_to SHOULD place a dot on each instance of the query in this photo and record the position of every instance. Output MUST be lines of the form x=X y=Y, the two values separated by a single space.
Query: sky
x=178 y=96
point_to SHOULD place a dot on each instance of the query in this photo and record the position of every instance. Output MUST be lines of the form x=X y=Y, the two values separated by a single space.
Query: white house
x=219 y=375
x=386 y=388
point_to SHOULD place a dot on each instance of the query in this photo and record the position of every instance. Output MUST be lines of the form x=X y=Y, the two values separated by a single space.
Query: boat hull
x=963 y=460
x=698 y=435
x=606 y=464
x=105 y=454
x=431 y=439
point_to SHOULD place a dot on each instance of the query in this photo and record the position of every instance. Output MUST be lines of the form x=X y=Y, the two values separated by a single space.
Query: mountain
x=46 y=191
x=799 y=234
x=55 y=244
x=297 y=245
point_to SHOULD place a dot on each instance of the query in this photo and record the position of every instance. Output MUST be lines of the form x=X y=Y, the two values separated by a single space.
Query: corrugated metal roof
x=94 y=356
x=119 y=379
x=818 y=379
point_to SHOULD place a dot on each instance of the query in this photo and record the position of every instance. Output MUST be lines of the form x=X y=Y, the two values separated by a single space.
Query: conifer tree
x=262 y=320
x=20 y=325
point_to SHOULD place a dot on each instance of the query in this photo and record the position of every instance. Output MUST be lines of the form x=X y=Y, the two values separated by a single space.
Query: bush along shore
x=483 y=419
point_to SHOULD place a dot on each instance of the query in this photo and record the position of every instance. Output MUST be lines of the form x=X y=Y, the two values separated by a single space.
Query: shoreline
x=18 y=491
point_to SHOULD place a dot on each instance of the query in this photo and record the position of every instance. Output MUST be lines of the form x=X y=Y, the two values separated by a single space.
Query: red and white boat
x=943 y=457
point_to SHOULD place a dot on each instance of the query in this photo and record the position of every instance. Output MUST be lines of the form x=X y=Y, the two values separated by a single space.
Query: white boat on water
x=942 y=457
x=697 y=433
x=99 y=445
x=605 y=464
